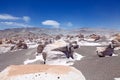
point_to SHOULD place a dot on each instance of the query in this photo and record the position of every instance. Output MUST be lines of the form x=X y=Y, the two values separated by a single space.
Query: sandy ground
x=91 y=66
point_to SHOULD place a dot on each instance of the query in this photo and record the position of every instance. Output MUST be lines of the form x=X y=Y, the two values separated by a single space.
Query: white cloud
x=8 y=17
x=26 y=18
x=69 y=24
x=52 y=23
x=15 y=24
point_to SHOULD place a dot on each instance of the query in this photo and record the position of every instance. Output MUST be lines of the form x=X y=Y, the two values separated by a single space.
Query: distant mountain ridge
x=29 y=32
x=51 y=31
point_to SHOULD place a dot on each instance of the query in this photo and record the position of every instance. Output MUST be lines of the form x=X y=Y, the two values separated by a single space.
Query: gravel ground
x=15 y=58
x=92 y=67
x=95 y=68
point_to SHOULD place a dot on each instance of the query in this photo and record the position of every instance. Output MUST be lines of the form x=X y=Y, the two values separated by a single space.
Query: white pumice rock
x=41 y=72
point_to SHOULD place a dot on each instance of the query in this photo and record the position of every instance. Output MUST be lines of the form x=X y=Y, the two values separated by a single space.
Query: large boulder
x=58 y=37
x=80 y=36
x=10 y=42
x=95 y=37
x=1 y=41
x=24 y=46
x=40 y=48
x=116 y=37
x=59 y=46
x=106 y=50
x=19 y=45
x=41 y=72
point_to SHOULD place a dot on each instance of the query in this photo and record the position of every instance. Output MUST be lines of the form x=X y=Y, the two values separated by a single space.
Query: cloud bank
x=10 y=21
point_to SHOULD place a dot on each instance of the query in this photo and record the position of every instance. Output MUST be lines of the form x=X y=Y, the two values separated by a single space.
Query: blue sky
x=65 y=14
